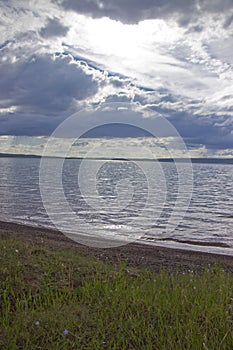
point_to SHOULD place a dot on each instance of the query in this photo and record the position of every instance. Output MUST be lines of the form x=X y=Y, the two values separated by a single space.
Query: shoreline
x=208 y=160
x=133 y=254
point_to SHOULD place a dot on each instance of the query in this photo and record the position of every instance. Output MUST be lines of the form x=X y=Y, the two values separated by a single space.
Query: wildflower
x=66 y=332
x=37 y=323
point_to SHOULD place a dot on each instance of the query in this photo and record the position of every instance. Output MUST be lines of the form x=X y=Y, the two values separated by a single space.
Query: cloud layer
x=134 y=11
x=174 y=57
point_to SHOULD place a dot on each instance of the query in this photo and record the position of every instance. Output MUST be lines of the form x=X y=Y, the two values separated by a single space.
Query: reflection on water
x=208 y=221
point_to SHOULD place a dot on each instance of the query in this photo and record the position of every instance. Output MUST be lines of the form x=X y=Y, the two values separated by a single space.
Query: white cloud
x=181 y=50
x=93 y=147
x=45 y=83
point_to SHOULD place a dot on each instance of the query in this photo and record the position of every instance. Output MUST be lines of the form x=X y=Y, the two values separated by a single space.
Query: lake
x=118 y=201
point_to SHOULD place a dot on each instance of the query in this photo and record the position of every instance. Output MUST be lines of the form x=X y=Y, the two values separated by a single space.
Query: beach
x=58 y=294
x=133 y=254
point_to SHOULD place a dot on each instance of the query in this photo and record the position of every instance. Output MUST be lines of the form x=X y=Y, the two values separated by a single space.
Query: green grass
x=108 y=307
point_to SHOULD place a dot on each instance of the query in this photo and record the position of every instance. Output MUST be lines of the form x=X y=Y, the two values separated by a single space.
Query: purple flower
x=66 y=332
x=37 y=323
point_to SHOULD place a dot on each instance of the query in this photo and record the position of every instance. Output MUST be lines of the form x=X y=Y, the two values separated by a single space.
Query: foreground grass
x=58 y=299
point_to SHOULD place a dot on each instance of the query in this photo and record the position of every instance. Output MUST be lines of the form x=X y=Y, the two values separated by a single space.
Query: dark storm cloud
x=54 y=28
x=129 y=11
x=204 y=130
x=44 y=83
x=228 y=21
x=31 y=125
x=38 y=91
x=134 y=11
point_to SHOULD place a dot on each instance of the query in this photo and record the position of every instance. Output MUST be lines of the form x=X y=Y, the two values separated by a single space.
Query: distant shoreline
x=162 y=160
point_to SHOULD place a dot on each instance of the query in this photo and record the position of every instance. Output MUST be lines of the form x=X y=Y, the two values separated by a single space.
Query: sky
x=174 y=57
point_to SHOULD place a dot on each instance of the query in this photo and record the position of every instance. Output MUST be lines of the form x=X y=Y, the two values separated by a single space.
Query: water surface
x=207 y=224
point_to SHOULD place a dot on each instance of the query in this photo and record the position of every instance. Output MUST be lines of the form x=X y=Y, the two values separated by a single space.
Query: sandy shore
x=137 y=255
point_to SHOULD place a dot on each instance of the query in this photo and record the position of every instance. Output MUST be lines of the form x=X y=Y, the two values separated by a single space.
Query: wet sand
x=134 y=254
